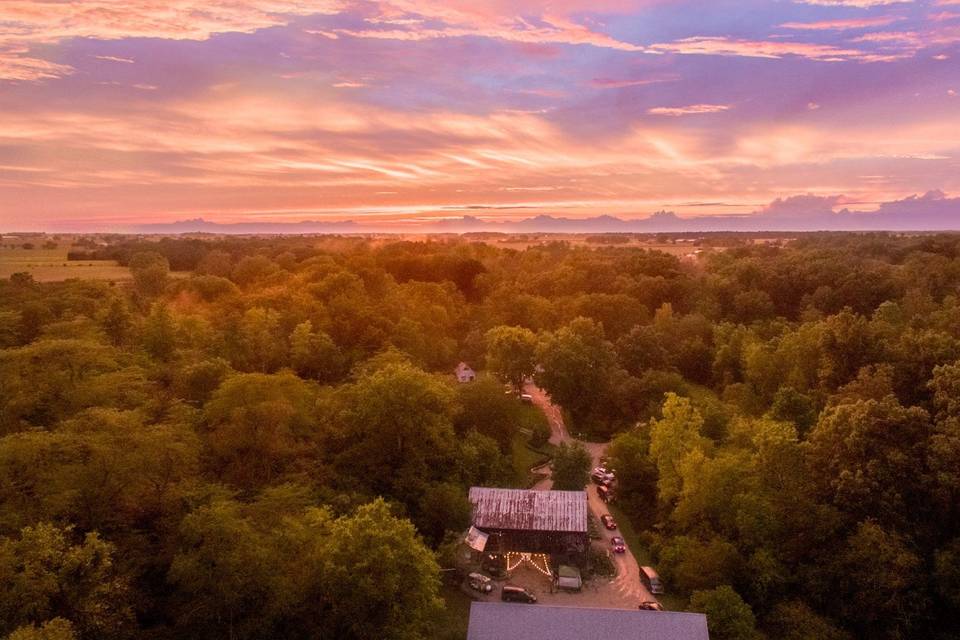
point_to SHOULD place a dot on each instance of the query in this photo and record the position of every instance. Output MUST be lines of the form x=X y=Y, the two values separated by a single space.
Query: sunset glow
x=114 y=113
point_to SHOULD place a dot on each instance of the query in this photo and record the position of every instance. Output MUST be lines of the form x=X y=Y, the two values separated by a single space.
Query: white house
x=464 y=373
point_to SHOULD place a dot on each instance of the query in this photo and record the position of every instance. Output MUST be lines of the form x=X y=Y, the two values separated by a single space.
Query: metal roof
x=505 y=621
x=522 y=510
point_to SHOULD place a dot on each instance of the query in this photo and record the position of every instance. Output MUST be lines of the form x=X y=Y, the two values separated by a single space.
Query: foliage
x=571 y=467
x=783 y=420
x=728 y=616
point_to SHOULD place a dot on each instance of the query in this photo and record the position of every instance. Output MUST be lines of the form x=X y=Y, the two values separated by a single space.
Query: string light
x=515 y=559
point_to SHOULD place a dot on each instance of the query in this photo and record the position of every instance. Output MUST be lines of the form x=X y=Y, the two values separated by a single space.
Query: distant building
x=521 y=522
x=506 y=621
x=464 y=373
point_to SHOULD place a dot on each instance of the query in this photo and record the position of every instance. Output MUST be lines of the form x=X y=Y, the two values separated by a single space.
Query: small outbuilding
x=464 y=373
x=507 y=621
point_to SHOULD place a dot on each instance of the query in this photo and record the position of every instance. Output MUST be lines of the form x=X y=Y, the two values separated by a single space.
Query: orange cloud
x=17 y=65
x=718 y=46
x=693 y=109
x=842 y=25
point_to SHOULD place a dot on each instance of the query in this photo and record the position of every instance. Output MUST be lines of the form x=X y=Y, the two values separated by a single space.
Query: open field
x=50 y=265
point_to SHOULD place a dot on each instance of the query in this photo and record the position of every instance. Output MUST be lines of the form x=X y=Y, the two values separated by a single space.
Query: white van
x=651 y=580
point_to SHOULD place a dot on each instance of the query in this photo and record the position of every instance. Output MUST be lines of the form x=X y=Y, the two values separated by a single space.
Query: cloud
x=546 y=29
x=842 y=25
x=17 y=65
x=721 y=46
x=693 y=109
x=862 y=4
x=37 y=20
x=614 y=83
x=115 y=59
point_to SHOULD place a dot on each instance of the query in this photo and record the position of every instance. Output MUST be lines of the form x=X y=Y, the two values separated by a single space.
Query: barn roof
x=522 y=510
x=502 y=621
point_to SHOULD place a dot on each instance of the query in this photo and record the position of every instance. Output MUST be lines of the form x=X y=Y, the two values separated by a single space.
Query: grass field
x=51 y=265
x=452 y=623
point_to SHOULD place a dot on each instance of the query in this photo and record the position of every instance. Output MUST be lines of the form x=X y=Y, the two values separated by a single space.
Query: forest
x=270 y=442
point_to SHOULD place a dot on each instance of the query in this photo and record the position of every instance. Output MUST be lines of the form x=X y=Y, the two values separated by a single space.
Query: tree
x=511 y=354
x=728 y=616
x=443 y=507
x=252 y=269
x=629 y=454
x=150 y=270
x=259 y=425
x=392 y=431
x=216 y=263
x=375 y=579
x=44 y=575
x=876 y=582
x=56 y=629
x=485 y=409
x=577 y=364
x=117 y=321
x=672 y=438
x=945 y=386
x=313 y=353
x=795 y=620
x=571 y=467
x=222 y=569
x=261 y=347
x=871 y=457
x=792 y=406
x=160 y=333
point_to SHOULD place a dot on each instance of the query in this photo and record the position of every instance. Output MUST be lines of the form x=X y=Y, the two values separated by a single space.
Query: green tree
x=511 y=354
x=571 y=467
x=393 y=431
x=795 y=620
x=160 y=333
x=443 y=507
x=376 y=579
x=876 y=583
x=56 y=629
x=728 y=616
x=44 y=575
x=117 y=321
x=313 y=354
x=577 y=365
x=484 y=408
x=261 y=345
x=792 y=406
x=673 y=438
x=150 y=271
x=259 y=425
x=871 y=458
x=222 y=570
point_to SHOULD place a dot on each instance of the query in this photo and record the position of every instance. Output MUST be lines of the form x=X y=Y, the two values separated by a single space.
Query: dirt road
x=626 y=589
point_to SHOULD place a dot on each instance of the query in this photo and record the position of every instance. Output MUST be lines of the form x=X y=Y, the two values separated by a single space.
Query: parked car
x=651 y=580
x=526 y=398
x=604 y=493
x=513 y=593
x=650 y=605
x=608 y=521
x=601 y=477
x=619 y=546
x=480 y=582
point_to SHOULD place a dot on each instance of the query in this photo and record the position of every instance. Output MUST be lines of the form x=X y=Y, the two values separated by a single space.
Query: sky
x=120 y=112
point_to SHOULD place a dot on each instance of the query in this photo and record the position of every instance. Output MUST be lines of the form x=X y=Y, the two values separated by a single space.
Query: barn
x=517 y=521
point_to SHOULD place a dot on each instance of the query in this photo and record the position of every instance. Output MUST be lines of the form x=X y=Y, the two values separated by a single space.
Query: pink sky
x=118 y=112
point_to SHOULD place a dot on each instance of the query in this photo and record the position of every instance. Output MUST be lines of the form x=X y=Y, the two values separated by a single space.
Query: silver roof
x=523 y=510
x=505 y=621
